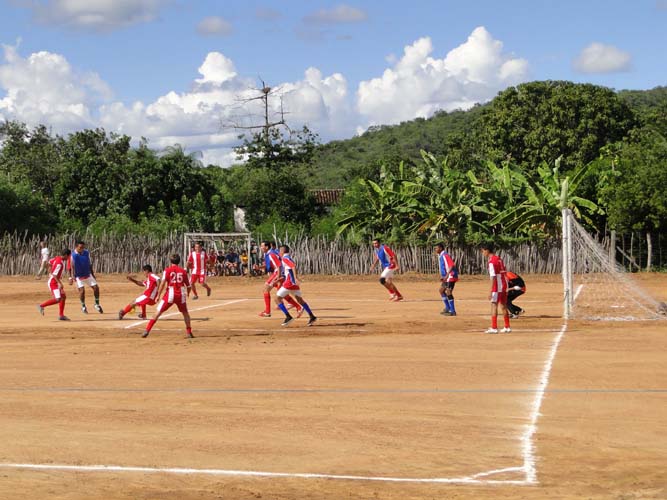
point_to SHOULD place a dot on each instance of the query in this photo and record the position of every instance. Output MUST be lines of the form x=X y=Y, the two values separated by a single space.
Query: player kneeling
x=150 y=285
x=175 y=278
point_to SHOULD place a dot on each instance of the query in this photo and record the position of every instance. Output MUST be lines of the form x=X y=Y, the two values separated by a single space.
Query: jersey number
x=175 y=277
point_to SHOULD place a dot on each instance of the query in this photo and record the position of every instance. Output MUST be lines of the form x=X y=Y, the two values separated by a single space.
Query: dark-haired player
x=150 y=284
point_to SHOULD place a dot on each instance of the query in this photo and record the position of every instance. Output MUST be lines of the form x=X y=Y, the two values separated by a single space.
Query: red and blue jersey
x=272 y=260
x=448 y=269
x=289 y=272
x=386 y=257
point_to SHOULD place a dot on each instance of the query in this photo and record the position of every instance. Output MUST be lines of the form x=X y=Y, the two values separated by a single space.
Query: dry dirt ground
x=375 y=390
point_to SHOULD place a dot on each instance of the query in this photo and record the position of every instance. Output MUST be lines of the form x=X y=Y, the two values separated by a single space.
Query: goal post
x=595 y=286
x=217 y=241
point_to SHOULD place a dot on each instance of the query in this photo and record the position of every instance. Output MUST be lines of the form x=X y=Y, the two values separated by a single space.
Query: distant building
x=327 y=197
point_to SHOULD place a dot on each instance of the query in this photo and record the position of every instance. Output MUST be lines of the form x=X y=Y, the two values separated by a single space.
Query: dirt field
x=392 y=395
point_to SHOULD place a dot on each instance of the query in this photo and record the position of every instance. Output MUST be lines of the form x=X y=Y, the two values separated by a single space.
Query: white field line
x=137 y=323
x=474 y=479
x=527 y=446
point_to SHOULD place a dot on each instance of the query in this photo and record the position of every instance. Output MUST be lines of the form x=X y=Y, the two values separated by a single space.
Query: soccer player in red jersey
x=197 y=263
x=55 y=284
x=175 y=279
x=289 y=286
x=498 y=293
x=387 y=259
x=147 y=298
x=273 y=265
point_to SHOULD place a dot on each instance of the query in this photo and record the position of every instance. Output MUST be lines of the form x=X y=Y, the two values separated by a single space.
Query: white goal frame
x=211 y=238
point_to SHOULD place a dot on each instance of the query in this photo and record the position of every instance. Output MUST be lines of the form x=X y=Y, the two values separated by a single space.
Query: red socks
x=507 y=319
x=48 y=303
x=150 y=325
x=61 y=306
x=494 y=322
x=127 y=309
x=267 y=302
x=292 y=302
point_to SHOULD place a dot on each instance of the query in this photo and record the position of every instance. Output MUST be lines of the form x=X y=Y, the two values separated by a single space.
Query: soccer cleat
x=444 y=312
x=141 y=316
x=514 y=316
x=397 y=298
x=189 y=336
x=98 y=308
x=451 y=313
x=392 y=296
x=300 y=312
x=507 y=329
x=41 y=310
x=287 y=321
x=145 y=334
x=491 y=330
x=195 y=297
x=63 y=318
x=84 y=309
x=265 y=314
x=311 y=321
x=121 y=314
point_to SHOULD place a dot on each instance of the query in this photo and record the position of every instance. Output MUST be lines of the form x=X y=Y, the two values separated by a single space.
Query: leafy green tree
x=538 y=122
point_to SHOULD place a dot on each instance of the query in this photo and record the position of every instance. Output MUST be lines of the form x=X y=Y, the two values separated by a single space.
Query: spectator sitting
x=232 y=262
x=244 y=262
x=220 y=263
x=211 y=260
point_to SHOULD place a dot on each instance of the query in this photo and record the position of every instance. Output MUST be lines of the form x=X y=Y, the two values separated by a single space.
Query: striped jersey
x=497 y=273
x=151 y=286
x=197 y=262
x=289 y=272
x=386 y=256
x=447 y=267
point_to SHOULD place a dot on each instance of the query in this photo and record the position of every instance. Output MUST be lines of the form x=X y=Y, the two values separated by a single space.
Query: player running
x=289 y=286
x=150 y=284
x=81 y=270
x=498 y=293
x=197 y=264
x=387 y=259
x=55 y=284
x=272 y=266
x=449 y=275
x=175 y=278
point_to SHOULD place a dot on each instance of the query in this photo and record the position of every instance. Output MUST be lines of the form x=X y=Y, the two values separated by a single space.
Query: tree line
x=502 y=169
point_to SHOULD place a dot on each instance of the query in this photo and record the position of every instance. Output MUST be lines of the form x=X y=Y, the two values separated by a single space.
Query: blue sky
x=136 y=65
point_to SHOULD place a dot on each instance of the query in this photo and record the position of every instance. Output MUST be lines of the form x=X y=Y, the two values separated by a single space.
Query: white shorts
x=143 y=300
x=387 y=273
x=81 y=282
x=284 y=292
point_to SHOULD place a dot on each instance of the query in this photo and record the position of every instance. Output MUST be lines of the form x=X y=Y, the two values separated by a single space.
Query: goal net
x=215 y=242
x=596 y=287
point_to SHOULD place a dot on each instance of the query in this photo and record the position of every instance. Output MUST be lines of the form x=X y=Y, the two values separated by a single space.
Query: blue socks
x=450 y=303
x=283 y=309
x=445 y=300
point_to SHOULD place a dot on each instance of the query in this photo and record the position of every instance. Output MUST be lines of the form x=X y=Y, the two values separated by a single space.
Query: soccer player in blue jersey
x=449 y=275
x=387 y=259
x=81 y=271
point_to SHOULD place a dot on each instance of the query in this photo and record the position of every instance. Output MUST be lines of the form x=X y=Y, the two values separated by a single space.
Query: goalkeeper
x=515 y=288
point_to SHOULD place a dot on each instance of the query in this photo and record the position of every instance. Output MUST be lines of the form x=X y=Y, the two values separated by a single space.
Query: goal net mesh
x=214 y=242
x=601 y=289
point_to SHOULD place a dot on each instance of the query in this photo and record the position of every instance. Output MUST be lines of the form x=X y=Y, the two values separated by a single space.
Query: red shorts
x=144 y=300
x=197 y=278
x=170 y=298
x=499 y=298
x=272 y=280
x=56 y=291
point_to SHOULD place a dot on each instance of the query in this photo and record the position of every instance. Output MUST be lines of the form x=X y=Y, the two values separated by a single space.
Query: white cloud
x=601 y=58
x=418 y=84
x=44 y=88
x=95 y=15
x=214 y=26
x=339 y=14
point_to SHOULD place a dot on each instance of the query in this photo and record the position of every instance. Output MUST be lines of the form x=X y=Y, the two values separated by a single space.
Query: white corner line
x=248 y=473
x=137 y=323
x=527 y=445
